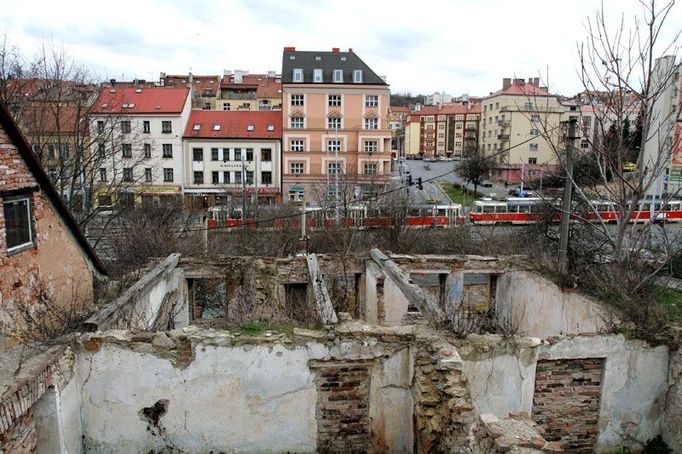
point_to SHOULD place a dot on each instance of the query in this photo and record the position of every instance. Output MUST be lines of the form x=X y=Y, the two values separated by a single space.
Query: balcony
x=469 y=135
x=503 y=137
x=503 y=123
x=239 y=96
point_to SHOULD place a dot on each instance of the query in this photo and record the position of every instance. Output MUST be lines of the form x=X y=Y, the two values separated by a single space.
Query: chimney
x=519 y=81
x=506 y=83
x=350 y=50
x=335 y=50
x=289 y=49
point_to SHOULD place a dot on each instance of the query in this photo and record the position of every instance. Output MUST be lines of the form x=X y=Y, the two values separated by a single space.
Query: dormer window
x=216 y=127
x=250 y=127
x=317 y=76
x=197 y=126
x=298 y=75
x=357 y=76
x=338 y=76
x=271 y=128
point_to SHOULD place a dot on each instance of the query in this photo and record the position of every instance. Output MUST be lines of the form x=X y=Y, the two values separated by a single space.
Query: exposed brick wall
x=21 y=438
x=566 y=401
x=56 y=260
x=343 y=408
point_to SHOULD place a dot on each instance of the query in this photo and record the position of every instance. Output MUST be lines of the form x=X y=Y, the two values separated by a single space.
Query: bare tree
x=473 y=169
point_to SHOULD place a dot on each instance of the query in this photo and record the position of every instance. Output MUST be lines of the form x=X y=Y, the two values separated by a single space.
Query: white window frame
x=371 y=146
x=357 y=76
x=371 y=100
x=370 y=168
x=299 y=166
x=371 y=123
x=334 y=100
x=298 y=75
x=297 y=122
x=334 y=168
x=338 y=76
x=297 y=145
x=29 y=212
x=297 y=100
x=331 y=120
x=317 y=76
x=334 y=145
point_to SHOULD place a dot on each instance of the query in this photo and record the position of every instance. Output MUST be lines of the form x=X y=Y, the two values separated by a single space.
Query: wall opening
x=296 y=301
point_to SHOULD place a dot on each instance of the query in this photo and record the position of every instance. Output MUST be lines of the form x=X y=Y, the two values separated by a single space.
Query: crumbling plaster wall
x=672 y=420
x=535 y=306
x=501 y=378
x=234 y=395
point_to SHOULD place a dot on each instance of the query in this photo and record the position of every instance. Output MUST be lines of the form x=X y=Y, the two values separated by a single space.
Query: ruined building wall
x=672 y=420
x=534 y=306
x=504 y=377
x=217 y=392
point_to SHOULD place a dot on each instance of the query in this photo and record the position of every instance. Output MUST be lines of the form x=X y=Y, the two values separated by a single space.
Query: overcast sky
x=456 y=46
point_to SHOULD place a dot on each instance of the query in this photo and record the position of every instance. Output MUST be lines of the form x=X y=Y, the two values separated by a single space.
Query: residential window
x=532 y=147
x=125 y=126
x=296 y=196
x=199 y=177
x=334 y=145
x=317 y=76
x=168 y=175
x=338 y=76
x=51 y=151
x=167 y=150
x=101 y=149
x=333 y=123
x=334 y=168
x=238 y=177
x=127 y=150
x=102 y=174
x=148 y=175
x=65 y=151
x=18 y=223
x=296 y=145
x=197 y=154
x=226 y=177
x=215 y=177
x=297 y=100
x=226 y=154
x=371 y=101
x=296 y=168
x=371 y=146
x=147 y=148
x=215 y=154
x=534 y=132
x=249 y=154
x=369 y=168
x=429 y=126
x=357 y=76
x=266 y=177
x=297 y=123
x=298 y=75
x=127 y=174
x=372 y=123
x=458 y=126
x=146 y=128
x=532 y=160
x=226 y=106
x=497 y=105
x=237 y=154
x=166 y=127
x=100 y=126
x=266 y=155
x=249 y=177
x=334 y=100
x=535 y=117
x=441 y=126
x=441 y=135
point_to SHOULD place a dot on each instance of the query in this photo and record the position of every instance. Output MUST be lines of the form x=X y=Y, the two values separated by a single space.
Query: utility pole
x=566 y=207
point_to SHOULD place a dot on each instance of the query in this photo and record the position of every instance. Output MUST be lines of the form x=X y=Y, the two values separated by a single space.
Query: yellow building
x=520 y=128
x=240 y=90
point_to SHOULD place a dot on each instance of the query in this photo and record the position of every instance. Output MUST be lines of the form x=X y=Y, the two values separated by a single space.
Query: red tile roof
x=447 y=109
x=131 y=101
x=234 y=124
x=522 y=89
x=201 y=83
x=265 y=86
x=397 y=109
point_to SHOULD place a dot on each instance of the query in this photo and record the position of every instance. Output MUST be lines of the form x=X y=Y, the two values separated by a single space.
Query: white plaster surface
x=672 y=421
x=395 y=303
x=535 y=306
x=633 y=385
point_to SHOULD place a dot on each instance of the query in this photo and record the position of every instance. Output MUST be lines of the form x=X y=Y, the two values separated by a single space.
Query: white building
x=230 y=155
x=141 y=150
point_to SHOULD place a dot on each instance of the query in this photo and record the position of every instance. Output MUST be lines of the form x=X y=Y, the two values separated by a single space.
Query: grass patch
x=671 y=300
x=457 y=195
x=256 y=328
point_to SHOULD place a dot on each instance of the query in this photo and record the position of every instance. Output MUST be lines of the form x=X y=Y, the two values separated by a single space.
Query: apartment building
x=520 y=128
x=442 y=131
x=140 y=153
x=240 y=90
x=334 y=123
x=231 y=155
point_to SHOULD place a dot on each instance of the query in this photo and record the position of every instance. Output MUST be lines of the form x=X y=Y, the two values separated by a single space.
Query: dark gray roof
x=327 y=62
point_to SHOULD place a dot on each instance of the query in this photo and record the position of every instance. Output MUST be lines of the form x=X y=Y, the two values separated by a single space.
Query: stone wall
x=672 y=421
x=501 y=380
x=22 y=437
x=56 y=263
x=566 y=401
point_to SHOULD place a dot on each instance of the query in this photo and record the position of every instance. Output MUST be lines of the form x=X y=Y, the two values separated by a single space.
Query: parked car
x=486 y=184
x=429 y=160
